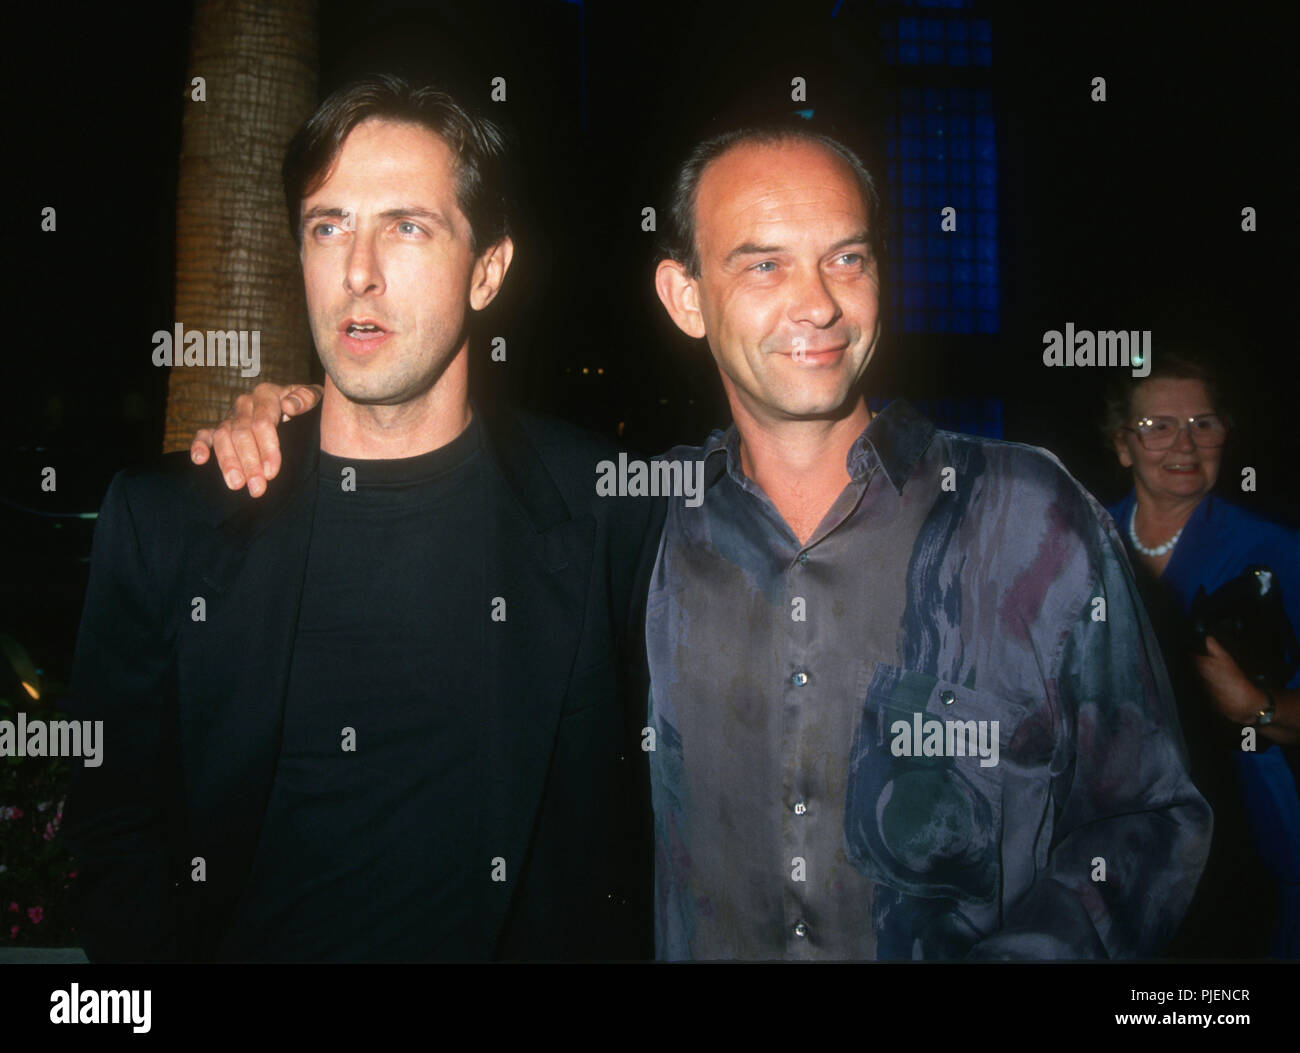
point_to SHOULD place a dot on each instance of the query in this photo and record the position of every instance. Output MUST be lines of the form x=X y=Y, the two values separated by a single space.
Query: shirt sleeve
x=1130 y=833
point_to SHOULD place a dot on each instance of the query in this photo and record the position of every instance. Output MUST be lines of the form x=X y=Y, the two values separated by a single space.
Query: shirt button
x=801 y=930
x=800 y=808
x=799 y=679
x=803 y=559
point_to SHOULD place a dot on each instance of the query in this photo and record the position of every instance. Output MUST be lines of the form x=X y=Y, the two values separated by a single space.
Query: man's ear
x=680 y=295
x=489 y=272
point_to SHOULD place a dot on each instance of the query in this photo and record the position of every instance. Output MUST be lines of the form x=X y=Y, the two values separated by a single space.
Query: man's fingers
x=201 y=446
x=250 y=457
x=227 y=459
x=299 y=399
x=265 y=396
x=246 y=444
x=261 y=425
x=267 y=442
x=241 y=438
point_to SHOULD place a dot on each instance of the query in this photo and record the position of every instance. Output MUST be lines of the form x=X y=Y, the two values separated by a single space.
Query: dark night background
x=1123 y=215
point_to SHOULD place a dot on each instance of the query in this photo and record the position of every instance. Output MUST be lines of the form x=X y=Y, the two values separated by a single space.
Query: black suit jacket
x=193 y=709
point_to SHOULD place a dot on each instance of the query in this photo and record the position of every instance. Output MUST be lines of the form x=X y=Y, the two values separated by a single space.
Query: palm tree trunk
x=236 y=265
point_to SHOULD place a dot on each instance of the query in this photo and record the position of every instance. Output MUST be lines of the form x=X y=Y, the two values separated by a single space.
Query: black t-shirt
x=366 y=852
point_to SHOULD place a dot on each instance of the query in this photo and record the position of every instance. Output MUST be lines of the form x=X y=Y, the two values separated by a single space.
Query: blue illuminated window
x=942 y=153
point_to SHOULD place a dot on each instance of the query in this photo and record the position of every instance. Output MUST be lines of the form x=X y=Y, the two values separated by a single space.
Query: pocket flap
x=923 y=810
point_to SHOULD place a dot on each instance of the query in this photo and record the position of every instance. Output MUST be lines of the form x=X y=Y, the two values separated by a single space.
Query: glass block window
x=924 y=33
x=942 y=152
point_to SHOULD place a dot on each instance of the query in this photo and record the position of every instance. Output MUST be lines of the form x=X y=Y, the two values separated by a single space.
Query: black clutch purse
x=1246 y=617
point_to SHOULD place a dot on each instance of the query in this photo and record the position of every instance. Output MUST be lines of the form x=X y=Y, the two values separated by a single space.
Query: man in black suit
x=381 y=713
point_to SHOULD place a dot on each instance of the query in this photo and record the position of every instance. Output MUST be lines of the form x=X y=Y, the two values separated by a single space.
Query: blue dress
x=1218 y=542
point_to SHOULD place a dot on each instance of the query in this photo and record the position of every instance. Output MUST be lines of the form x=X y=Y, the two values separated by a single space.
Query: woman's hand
x=1232 y=693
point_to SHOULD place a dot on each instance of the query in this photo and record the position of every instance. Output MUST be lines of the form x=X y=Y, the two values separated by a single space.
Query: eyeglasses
x=1159 y=433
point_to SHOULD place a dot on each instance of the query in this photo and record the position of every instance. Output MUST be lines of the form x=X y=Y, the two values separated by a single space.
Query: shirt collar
x=895 y=440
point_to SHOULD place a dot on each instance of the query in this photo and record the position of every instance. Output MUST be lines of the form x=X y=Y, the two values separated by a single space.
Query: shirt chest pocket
x=923 y=807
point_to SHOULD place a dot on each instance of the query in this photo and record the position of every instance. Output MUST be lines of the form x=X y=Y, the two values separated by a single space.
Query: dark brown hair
x=478 y=144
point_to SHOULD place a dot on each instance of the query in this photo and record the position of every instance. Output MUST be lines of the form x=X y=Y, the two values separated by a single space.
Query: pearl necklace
x=1159 y=550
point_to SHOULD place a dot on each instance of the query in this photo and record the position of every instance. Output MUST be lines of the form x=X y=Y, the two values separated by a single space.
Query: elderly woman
x=1170 y=428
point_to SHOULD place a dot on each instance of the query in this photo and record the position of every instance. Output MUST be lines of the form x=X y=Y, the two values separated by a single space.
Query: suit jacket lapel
x=234 y=667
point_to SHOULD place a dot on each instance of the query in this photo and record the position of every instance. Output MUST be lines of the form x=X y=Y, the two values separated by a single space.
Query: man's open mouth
x=364 y=330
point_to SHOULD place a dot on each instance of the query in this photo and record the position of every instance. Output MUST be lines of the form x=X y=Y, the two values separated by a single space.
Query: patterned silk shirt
x=940 y=729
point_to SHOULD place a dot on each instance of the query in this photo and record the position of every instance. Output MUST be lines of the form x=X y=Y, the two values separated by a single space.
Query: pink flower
x=49 y=831
x=36 y=914
x=13 y=933
x=15 y=812
x=13 y=908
